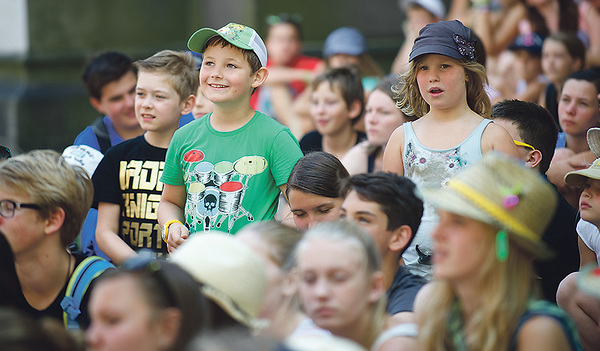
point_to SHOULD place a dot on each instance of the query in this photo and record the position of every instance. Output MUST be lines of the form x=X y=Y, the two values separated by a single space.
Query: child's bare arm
x=106 y=233
x=171 y=208
x=586 y=255
x=392 y=157
x=496 y=138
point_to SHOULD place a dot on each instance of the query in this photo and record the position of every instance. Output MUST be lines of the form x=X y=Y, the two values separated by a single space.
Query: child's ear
x=260 y=77
x=55 y=220
x=534 y=158
x=400 y=238
x=188 y=104
x=97 y=105
x=377 y=288
x=355 y=109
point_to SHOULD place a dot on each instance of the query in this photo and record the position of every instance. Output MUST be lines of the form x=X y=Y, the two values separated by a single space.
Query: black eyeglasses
x=8 y=208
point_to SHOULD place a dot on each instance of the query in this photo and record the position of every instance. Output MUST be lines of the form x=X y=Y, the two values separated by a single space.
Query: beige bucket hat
x=233 y=275
x=499 y=191
x=579 y=177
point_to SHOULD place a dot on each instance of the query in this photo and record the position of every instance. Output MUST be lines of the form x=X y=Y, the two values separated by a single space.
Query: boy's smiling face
x=158 y=107
x=226 y=76
x=117 y=102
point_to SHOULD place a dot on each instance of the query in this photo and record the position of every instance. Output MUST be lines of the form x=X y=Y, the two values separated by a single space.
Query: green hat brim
x=200 y=37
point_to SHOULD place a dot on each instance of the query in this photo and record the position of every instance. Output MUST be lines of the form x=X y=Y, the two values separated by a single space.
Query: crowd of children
x=248 y=197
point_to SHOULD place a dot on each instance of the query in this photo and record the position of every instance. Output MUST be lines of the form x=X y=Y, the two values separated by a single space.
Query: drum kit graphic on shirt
x=215 y=192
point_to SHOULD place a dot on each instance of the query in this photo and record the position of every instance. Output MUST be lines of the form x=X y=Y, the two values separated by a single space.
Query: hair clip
x=465 y=48
x=511 y=197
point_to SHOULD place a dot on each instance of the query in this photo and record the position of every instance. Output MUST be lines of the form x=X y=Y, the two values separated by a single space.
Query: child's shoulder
x=261 y=123
x=125 y=146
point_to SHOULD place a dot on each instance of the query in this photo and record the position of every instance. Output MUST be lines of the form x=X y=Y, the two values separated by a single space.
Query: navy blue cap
x=531 y=42
x=449 y=38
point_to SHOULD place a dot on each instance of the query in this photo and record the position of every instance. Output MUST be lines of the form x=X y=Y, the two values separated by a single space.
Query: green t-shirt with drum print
x=231 y=178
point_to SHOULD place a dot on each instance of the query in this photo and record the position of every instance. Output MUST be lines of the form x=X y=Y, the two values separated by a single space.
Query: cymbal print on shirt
x=215 y=191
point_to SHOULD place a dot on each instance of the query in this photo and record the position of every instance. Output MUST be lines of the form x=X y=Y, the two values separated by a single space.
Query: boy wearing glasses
x=535 y=132
x=43 y=202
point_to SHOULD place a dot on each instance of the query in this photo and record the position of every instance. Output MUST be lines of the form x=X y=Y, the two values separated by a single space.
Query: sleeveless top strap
x=545 y=308
x=405 y=329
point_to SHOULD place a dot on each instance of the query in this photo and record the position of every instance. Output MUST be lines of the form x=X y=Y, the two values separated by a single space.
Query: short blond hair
x=178 y=66
x=51 y=183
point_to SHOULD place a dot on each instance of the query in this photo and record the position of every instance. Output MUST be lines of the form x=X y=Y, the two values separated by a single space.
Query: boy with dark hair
x=386 y=206
x=126 y=182
x=226 y=168
x=110 y=79
x=337 y=104
x=535 y=132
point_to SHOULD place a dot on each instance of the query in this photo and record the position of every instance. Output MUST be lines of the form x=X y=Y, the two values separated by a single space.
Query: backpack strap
x=101 y=133
x=86 y=271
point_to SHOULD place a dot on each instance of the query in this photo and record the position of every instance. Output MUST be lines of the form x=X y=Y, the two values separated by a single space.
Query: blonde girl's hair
x=504 y=287
x=410 y=101
x=348 y=231
x=281 y=241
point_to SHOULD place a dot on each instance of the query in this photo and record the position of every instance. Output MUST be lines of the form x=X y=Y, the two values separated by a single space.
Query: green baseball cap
x=239 y=35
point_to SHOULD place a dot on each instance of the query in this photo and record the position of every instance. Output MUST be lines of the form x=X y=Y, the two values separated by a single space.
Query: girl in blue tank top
x=444 y=87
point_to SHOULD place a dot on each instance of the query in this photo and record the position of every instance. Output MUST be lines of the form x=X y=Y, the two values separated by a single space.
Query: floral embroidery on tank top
x=439 y=166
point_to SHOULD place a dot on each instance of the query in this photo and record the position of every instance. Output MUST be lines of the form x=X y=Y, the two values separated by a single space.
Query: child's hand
x=178 y=233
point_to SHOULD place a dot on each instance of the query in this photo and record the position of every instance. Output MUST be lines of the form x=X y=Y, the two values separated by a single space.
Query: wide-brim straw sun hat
x=233 y=276
x=500 y=191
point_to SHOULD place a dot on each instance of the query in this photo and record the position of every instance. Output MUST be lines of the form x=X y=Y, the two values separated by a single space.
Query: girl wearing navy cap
x=444 y=87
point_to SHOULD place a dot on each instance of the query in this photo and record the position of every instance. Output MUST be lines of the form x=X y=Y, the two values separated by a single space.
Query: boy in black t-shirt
x=126 y=182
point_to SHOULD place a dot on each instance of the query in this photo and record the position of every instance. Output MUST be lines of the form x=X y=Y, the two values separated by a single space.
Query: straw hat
x=499 y=191
x=593 y=139
x=234 y=277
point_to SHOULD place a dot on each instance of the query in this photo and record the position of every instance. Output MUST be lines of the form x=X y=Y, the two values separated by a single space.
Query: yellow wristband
x=165 y=232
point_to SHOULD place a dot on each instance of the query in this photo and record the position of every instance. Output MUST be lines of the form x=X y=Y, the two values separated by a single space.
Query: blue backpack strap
x=86 y=271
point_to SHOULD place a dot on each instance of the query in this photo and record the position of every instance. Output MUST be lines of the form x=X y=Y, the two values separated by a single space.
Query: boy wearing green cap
x=227 y=168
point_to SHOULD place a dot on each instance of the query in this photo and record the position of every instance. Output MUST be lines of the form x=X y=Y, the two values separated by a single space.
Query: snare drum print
x=231 y=196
